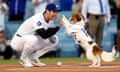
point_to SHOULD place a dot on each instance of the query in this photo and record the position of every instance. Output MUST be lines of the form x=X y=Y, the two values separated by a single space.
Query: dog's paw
x=91 y=65
x=97 y=66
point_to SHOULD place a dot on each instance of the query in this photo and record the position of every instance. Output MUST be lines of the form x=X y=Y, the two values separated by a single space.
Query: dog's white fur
x=93 y=51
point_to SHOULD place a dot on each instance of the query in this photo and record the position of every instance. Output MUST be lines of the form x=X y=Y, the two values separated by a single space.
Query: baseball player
x=36 y=36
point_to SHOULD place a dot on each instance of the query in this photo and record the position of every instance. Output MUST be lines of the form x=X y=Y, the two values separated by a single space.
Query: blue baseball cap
x=52 y=7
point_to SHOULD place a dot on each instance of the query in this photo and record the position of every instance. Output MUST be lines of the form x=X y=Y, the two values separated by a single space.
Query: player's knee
x=56 y=41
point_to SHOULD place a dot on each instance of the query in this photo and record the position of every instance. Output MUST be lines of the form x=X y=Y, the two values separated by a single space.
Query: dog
x=76 y=27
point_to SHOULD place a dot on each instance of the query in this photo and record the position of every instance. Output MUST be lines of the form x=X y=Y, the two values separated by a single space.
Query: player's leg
x=18 y=44
x=47 y=47
x=24 y=59
x=35 y=56
x=30 y=45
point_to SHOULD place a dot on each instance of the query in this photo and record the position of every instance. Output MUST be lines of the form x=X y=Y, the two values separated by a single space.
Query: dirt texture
x=66 y=67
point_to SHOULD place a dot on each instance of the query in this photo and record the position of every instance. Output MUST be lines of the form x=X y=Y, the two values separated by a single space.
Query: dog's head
x=77 y=18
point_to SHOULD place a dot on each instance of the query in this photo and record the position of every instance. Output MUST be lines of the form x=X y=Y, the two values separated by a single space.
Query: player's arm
x=47 y=33
x=50 y=31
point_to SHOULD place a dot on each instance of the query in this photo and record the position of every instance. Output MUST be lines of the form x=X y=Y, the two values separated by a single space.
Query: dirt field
x=66 y=67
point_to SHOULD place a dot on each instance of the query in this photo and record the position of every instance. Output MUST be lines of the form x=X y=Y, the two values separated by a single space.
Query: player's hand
x=108 y=24
x=4 y=10
x=60 y=21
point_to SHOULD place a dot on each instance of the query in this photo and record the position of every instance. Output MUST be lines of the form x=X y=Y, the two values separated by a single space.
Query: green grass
x=64 y=60
x=50 y=60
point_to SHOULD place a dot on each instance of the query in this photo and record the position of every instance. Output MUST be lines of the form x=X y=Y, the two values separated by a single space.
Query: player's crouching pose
x=33 y=37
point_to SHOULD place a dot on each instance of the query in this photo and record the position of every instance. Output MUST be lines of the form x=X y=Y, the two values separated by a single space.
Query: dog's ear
x=81 y=16
x=78 y=18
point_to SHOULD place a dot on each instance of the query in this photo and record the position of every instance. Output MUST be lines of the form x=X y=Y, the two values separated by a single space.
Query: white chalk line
x=14 y=69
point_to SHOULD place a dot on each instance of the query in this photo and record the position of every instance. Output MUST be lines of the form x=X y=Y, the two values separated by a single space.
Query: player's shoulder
x=35 y=17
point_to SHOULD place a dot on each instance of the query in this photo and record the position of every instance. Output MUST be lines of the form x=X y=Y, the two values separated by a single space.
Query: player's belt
x=18 y=35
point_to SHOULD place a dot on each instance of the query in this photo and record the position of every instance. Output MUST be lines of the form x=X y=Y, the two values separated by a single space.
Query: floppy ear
x=81 y=16
x=78 y=18
x=82 y=22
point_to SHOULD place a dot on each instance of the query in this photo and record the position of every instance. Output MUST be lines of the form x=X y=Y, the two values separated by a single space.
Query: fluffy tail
x=108 y=56
x=67 y=25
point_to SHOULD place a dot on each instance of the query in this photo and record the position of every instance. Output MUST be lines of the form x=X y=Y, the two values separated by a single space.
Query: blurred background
x=20 y=10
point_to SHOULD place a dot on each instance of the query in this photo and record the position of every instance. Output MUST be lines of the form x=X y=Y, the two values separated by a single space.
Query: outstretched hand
x=108 y=24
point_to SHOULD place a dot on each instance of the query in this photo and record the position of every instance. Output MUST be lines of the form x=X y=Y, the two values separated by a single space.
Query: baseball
x=59 y=63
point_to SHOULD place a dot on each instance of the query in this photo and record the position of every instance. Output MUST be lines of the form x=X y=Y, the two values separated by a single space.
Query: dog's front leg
x=67 y=25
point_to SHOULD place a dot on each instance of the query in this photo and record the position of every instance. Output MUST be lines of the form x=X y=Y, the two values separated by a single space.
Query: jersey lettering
x=84 y=31
x=74 y=35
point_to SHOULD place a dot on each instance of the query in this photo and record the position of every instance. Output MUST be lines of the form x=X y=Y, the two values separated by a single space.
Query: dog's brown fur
x=96 y=49
x=77 y=17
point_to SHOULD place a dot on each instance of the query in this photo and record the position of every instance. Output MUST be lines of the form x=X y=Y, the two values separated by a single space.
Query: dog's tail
x=108 y=56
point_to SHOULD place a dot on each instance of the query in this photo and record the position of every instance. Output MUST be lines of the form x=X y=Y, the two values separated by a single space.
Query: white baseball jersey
x=32 y=24
x=26 y=33
x=79 y=33
x=26 y=40
x=77 y=30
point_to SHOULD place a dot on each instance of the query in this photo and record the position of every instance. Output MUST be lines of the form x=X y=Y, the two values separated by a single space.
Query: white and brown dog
x=76 y=27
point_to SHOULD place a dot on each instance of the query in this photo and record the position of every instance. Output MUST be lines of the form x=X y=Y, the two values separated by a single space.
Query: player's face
x=52 y=15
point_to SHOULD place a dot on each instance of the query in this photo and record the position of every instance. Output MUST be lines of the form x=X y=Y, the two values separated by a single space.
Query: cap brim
x=59 y=10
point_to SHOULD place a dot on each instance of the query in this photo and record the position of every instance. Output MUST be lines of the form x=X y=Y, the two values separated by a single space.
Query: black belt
x=96 y=16
x=18 y=35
